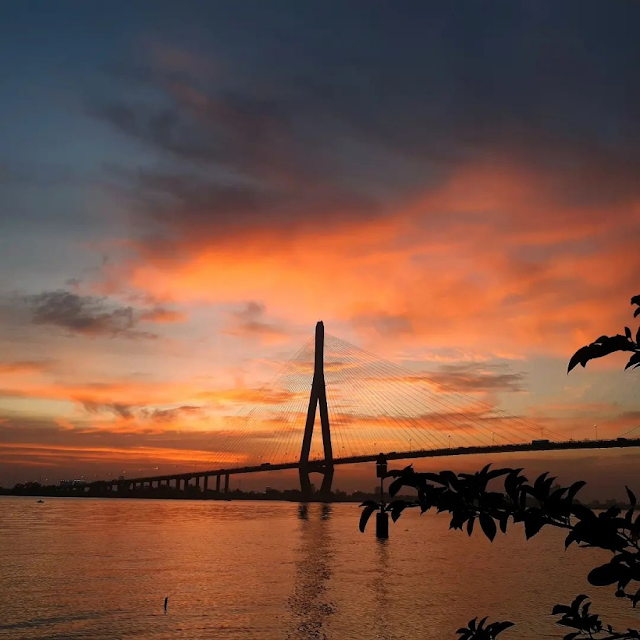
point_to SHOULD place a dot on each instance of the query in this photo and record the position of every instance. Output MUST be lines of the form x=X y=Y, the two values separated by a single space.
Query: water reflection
x=380 y=588
x=309 y=604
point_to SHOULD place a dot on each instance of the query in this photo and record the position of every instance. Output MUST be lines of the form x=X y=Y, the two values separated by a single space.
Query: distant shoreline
x=168 y=493
x=291 y=495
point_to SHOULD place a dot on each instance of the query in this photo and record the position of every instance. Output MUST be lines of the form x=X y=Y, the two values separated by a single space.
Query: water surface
x=91 y=568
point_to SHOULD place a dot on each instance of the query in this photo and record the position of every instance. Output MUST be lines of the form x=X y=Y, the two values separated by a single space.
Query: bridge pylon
x=317 y=399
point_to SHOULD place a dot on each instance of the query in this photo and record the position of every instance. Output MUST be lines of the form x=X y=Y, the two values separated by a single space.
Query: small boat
x=41 y=501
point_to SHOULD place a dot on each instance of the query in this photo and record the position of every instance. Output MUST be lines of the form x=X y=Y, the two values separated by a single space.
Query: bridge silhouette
x=371 y=407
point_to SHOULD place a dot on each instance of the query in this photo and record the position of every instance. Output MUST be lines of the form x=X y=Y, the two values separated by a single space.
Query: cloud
x=387 y=324
x=491 y=214
x=84 y=315
x=249 y=322
x=93 y=317
x=472 y=378
x=25 y=366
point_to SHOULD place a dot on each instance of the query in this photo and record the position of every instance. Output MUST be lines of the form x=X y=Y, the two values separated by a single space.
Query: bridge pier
x=305 y=472
x=305 y=482
x=218 y=483
x=205 y=483
x=226 y=483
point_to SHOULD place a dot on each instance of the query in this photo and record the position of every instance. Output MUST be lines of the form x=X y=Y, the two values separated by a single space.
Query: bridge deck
x=618 y=443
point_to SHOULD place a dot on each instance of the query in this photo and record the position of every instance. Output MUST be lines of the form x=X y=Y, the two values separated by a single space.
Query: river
x=92 y=568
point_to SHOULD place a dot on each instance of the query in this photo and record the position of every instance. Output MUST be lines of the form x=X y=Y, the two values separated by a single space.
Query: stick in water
x=165 y=603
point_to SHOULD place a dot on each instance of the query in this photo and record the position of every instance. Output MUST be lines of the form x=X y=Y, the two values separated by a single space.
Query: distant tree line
x=171 y=493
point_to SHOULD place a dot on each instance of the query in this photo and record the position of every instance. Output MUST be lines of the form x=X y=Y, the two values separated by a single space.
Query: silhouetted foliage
x=469 y=500
x=605 y=345
x=370 y=506
x=477 y=631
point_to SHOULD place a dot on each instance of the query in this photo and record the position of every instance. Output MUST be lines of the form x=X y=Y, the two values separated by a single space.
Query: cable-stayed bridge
x=334 y=404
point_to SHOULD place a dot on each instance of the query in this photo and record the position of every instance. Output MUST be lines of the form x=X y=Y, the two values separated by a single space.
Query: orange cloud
x=492 y=257
x=24 y=366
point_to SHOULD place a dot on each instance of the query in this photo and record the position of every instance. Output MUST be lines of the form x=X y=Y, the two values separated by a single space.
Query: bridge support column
x=317 y=400
x=205 y=483
x=218 y=483
x=305 y=482
x=327 y=481
x=226 y=483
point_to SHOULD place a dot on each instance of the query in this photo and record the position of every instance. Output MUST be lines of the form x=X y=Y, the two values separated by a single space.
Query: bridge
x=441 y=421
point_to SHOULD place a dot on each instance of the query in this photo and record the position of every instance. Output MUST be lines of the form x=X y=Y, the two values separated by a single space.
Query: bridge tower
x=318 y=398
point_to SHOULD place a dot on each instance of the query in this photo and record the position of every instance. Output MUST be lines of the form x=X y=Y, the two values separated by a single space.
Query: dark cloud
x=84 y=315
x=171 y=415
x=91 y=316
x=470 y=377
x=141 y=414
x=116 y=408
x=162 y=315
x=290 y=130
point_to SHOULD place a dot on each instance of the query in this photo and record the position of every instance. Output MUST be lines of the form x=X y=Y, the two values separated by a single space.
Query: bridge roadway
x=186 y=478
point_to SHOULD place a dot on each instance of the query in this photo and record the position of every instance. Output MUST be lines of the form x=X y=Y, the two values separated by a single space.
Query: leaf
x=607 y=574
x=370 y=503
x=635 y=300
x=539 y=483
x=395 y=486
x=636 y=312
x=627 y=332
x=499 y=627
x=533 y=522
x=396 y=508
x=632 y=497
x=364 y=517
x=581 y=356
x=603 y=346
x=470 y=525
x=634 y=359
x=575 y=487
x=488 y=526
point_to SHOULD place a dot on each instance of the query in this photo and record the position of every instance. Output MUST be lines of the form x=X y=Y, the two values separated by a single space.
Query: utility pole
x=382 y=517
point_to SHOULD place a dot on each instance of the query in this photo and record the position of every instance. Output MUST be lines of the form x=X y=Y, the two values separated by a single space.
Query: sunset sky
x=186 y=188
